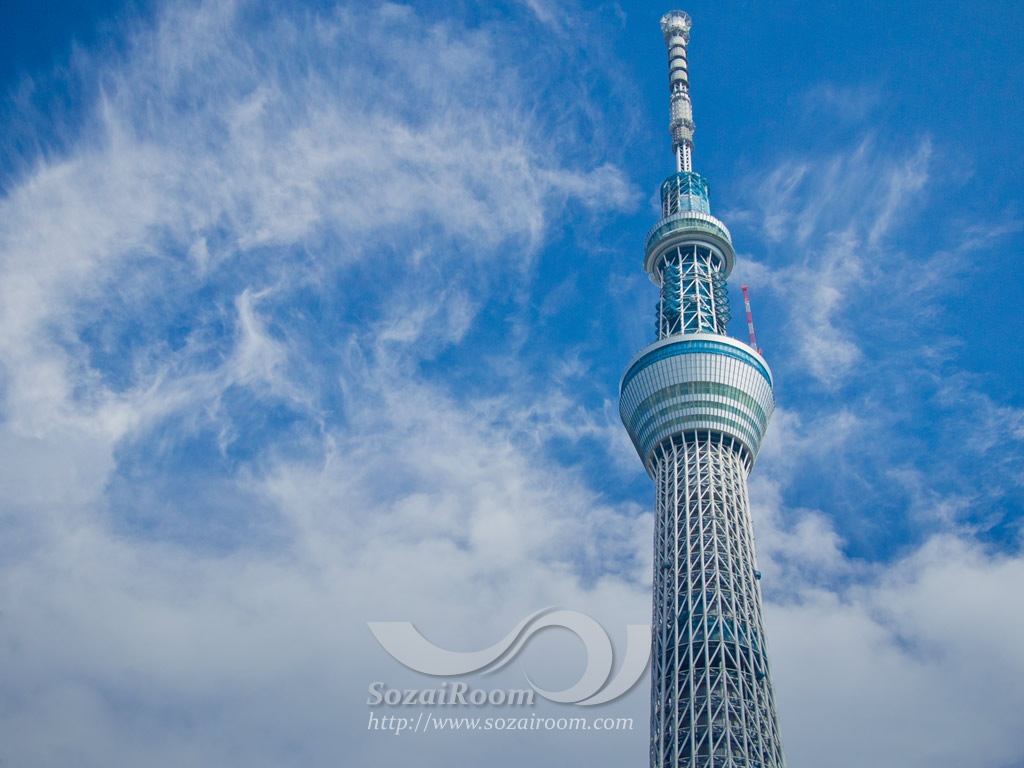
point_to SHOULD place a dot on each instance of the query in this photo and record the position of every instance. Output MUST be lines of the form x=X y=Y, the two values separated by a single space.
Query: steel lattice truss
x=711 y=700
x=694 y=296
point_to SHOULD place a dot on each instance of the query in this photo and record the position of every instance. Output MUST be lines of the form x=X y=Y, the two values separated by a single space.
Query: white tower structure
x=696 y=404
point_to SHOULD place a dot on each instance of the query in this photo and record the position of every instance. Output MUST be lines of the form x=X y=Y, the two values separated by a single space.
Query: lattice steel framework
x=696 y=404
x=712 y=702
x=694 y=295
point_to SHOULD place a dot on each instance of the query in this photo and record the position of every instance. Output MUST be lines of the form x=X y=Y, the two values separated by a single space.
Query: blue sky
x=314 y=316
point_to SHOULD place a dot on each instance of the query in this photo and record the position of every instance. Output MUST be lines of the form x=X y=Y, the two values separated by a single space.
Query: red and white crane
x=750 y=320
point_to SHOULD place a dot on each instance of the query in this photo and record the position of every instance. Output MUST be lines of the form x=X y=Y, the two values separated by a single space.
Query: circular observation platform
x=687 y=228
x=698 y=381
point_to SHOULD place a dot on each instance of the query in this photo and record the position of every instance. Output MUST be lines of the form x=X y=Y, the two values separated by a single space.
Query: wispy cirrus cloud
x=208 y=161
x=827 y=219
x=199 y=439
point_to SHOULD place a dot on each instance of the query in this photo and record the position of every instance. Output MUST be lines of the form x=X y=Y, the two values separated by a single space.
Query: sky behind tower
x=313 y=316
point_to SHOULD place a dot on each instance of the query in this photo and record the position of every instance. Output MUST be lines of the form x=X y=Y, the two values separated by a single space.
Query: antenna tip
x=676 y=23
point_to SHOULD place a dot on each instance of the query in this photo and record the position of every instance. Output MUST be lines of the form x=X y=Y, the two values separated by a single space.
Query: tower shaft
x=712 y=702
x=696 y=404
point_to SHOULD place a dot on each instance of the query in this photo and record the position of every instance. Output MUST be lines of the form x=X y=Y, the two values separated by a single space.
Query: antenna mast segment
x=675 y=26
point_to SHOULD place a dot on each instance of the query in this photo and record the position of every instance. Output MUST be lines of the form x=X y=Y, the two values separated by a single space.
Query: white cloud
x=899 y=670
x=212 y=164
x=830 y=220
x=208 y=142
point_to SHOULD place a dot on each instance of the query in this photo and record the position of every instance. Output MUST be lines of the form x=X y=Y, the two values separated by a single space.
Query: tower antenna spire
x=675 y=26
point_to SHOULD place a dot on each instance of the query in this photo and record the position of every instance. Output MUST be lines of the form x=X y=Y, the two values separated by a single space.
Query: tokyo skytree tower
x=696 y=404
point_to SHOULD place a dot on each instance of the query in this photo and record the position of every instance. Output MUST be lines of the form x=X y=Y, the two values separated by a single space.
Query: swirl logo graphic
x=404 y=642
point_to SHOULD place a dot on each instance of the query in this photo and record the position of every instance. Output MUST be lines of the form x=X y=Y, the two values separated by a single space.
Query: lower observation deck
x=697 y=381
